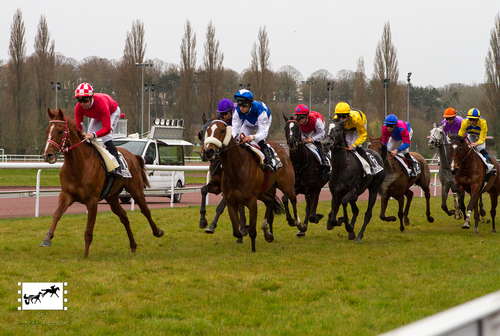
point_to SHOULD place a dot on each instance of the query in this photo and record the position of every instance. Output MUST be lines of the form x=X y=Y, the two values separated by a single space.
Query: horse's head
x=437 y=137
x=206 y=123
x=58 y=135
x=217 y=136
x=292 y=134
x=336 y=134
x=459 y=150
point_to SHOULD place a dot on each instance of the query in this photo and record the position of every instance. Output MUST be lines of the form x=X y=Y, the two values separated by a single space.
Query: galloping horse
x=309 y=174
x=349 y=181
x=397 y=185
x=83 y=177
x=244 y=182
x=438 y=139
x=213 y=187
x=470 y=176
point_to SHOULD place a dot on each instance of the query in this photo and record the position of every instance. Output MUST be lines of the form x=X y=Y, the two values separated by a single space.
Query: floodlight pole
x=408 y=100
x=143 y=65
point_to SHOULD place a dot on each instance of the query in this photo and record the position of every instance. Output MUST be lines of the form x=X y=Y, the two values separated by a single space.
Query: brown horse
x=244 y=182
x=470 y=176
x=397 y=184
x=83 y=178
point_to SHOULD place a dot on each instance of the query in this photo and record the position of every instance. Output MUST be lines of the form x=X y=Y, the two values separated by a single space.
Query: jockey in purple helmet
x=253 y=116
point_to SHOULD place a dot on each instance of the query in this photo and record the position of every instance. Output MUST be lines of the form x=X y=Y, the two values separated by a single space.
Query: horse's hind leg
x=243 y=220
x=140 y=199
x=218 y=211
x=117 y=209
x=350 y=227
x=89 y=230
x=401 y=201
x=383 y=206
x=64 y=202
x=445 y=188
x=372 y=197
x=481 y=208
x=203 y=211
x=233 y=215
x=268 y=219
x=427 y=194
x=409 y=198
x=493 y=212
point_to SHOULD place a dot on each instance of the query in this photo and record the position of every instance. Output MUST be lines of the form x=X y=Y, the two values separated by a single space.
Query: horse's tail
x=278 y=207
x=142 y=164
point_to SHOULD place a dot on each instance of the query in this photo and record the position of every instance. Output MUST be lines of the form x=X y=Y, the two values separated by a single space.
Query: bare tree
x=230 y=82
x=344 y=86
x=66 y=70
x=492 y=82
x=213 y=72
x=318 y=90
x=187 y=81
x=287 y=82
x=260 y=73
x=359 y=99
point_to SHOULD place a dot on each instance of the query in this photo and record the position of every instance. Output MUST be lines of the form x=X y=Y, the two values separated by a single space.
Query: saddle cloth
x=110 y=160
x=312 y=147
x=402 y=162
x=276 y=162
x=489 y=167
x=373 y=168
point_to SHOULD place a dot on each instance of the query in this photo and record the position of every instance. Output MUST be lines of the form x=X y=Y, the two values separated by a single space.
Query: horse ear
x=50 y=114
x=370 y=137
x=204 y=118
x=285 y=117
x=434 y=125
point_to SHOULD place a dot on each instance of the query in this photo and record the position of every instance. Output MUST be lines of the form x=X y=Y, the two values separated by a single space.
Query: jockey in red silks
x=104 y=114
x=312 y=127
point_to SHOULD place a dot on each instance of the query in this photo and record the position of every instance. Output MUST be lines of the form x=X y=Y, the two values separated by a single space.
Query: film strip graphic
x=42 y=295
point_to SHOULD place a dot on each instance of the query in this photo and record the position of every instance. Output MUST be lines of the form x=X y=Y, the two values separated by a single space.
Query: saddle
x=372 y=167
x=313 y=148
x=416 y=165
x=110 y=161
x=254 y=147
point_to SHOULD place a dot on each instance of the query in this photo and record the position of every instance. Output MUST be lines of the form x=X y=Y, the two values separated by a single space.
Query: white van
x=163 y=146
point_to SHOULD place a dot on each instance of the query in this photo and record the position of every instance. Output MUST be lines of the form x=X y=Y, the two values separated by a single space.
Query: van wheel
x=125 y=200
x=177 y=197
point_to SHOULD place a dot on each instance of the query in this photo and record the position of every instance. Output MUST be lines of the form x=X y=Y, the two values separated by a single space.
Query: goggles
x=243 y=104
x=83 y=99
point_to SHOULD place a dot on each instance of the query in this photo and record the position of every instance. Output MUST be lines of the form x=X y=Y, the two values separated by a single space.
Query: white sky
x=439 y=41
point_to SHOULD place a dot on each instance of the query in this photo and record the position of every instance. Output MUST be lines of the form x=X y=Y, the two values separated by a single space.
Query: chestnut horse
x=349 y=181
x=470 y=176
x=309 y=174
x=397 y=184
x=245 y=182
x=83 y=178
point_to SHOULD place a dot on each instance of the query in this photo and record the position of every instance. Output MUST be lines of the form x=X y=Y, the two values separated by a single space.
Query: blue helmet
x=391 y=119
x=244 y=95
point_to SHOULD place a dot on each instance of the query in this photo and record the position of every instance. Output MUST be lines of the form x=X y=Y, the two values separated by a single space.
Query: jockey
x=451 y=121
x=251 y=116
x=104 y=113
x=312 y=127
x=225 y=110
x=394 y=133
x=355 y=126
x=476 y=129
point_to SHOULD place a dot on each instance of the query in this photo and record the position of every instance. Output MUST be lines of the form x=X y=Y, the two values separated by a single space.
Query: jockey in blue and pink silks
x=396 y=135
x=253 y=116
x=451 y=122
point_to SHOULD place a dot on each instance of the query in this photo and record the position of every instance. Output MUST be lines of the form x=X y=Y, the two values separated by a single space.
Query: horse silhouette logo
x=34 y=295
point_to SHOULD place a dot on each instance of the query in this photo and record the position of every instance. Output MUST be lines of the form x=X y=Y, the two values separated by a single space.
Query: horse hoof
x=270 y=238
x=244 y=231
x=391 y=219
x=46 y=243
x=358 y=240
x=160 y=233
x=319 y=217
x=301 y=234
x=291 y=222
x=430 y=219
x=302 y=227
x=482 y=212
x=209 y=230
x=203 y=223
x=466 y=226
x=351 y=236
x=493 y=231
x=239 y=241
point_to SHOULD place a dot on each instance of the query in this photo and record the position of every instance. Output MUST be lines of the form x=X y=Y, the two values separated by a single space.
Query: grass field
x=191 y=283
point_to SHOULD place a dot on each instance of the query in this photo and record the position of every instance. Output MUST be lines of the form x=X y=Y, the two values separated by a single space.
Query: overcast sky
x=439 y=41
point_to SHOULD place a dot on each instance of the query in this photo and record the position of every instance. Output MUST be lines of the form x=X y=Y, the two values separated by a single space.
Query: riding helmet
x=301 y=109
x=225 y=105
x=244 y=95
x=473 y=113
x=449 y=113
x=84 y=90
x=391 y=119
x=342 y=108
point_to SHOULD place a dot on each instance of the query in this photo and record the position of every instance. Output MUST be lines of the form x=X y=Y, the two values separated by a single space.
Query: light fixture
x=156 y=121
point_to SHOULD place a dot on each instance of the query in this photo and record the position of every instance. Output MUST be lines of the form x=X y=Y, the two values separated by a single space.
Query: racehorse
x=397 y=184
x=437 y=139
x=213 y=187
x=245 y=182
x=309 y=174
x=350 y=181
x=470 y=176
x=52 y=290
x=83 y=177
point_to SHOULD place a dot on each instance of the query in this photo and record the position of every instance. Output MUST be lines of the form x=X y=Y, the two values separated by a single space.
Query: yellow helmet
x=473 y=113
x=342 y=108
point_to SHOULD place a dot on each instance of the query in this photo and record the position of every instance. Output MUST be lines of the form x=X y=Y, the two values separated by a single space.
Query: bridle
x=62 y=146
x=467 y=141
x=294 y=139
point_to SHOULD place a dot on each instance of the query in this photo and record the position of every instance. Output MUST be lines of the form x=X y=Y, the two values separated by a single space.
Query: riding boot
x=324 y=161
x=110 y=146
x=409 y=161
x=488 y=160
x=361 y=151
x=268 y=156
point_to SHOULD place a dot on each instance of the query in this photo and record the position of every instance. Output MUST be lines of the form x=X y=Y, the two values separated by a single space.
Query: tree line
x=29 y=85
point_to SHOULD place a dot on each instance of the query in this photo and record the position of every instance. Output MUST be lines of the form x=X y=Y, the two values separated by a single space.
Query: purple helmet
x=225 y=106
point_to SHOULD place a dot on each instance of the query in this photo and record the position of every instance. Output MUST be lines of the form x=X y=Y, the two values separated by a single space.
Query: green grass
x=191 y=283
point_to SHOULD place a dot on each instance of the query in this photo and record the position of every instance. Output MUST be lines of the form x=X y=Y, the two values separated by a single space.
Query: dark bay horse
x=437 y=139
x=470 y=176
x=244 y=182
x=83 y=178
x=309 y=174
x=349 y=180
x=214 y=187
x=397 y=185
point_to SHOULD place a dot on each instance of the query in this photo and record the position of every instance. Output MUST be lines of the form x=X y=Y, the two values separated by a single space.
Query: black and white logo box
x=42 y=295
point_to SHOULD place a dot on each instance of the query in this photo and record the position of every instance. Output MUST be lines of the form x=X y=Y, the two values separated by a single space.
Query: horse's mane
x=457 y=137
x=61 y=115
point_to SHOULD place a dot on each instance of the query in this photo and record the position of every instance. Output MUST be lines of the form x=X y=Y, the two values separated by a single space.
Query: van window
x=150 y=155
x=134 y=147
x=171 y=155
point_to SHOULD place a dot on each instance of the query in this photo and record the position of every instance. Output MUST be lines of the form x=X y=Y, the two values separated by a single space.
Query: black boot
x=324 y=162
x=361 y=151
x=110 y=146
x=409 y=161
x=268 y=158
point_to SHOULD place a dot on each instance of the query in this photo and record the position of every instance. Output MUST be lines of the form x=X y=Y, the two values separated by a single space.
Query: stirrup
x=117 y=172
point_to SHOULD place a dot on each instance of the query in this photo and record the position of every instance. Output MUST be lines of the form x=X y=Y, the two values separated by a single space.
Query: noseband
x=438 y=141
x=63 y=147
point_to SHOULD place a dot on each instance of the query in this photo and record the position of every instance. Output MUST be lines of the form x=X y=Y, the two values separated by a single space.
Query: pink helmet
x=84 y=90
x=302 y=109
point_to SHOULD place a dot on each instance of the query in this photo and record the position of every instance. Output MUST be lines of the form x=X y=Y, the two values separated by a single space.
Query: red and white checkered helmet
x=84 y=90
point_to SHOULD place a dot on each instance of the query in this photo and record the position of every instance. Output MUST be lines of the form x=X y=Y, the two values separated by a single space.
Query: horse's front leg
x=203 y=221
x=252 y=229
x=350 y=227
x=64 y=202
x=493 y=211
x=232 y=210
x=315 y=217
x=117 y=209
x=427 y=194
x=243 y=220
x=372 y=197
x=456 y=206
x=482 y=212
x=218 y=211
x=268 y=219
x=401 y=202
x=332 y=216
x=409 y=198
x=383 y=207
x=89 y=230
x=445 y=188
